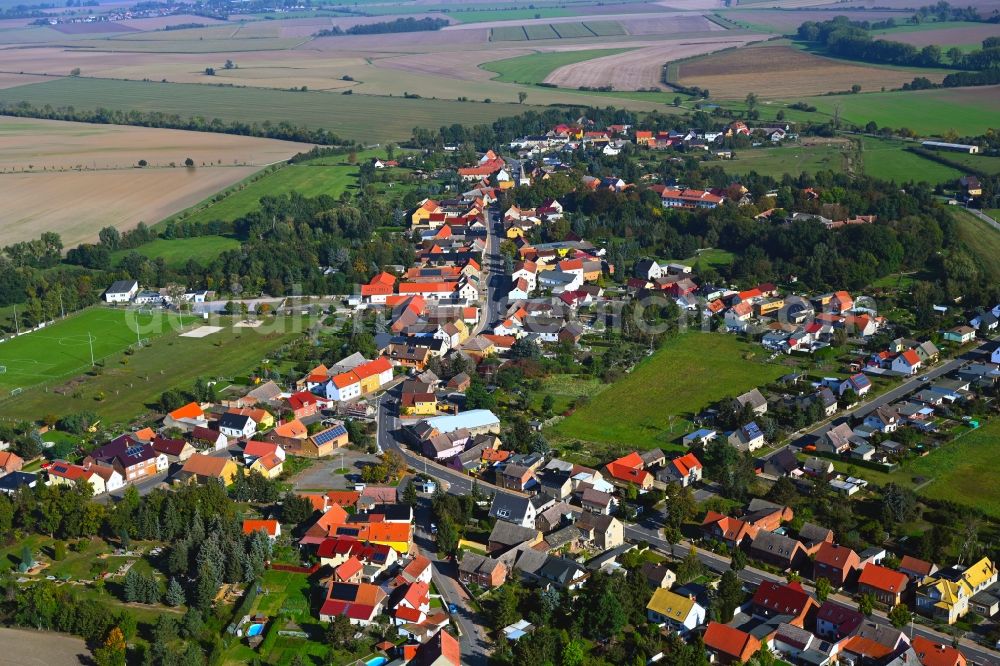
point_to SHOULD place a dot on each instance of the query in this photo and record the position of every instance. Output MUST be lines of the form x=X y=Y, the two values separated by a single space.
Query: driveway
x=322 y=474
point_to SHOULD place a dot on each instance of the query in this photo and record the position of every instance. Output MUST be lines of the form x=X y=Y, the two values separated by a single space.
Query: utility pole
x=90 y=340
x=62 y=310
x=17 y=329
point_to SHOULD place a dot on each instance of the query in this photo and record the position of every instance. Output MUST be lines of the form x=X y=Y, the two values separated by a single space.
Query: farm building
x=956 y=147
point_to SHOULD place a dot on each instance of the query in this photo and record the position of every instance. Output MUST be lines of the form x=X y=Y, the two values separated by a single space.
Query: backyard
x=655 y=404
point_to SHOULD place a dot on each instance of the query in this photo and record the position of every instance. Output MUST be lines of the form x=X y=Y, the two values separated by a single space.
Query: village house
x=835 y=563
x=727 y=645
x=134 y=460
x=886 y=585
x=200 y=468
x=784 y=599
x=676 y=612
x=945 y=595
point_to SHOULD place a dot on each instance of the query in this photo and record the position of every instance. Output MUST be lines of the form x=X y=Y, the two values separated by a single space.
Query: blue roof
x=474 y=418
x=752 y=430
x=700 y=433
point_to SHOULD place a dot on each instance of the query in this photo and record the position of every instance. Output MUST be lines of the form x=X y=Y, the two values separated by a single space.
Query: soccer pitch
x=65 y=348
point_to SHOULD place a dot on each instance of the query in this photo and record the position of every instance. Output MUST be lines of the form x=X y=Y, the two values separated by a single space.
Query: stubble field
x=782 y=71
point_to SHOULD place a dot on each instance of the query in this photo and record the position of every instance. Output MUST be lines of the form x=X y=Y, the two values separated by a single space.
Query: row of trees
x=382 y=27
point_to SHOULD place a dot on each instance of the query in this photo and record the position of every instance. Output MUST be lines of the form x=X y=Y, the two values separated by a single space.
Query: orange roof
x=629 y=468
x=417 y=566
x=936 y=654
x=686 y=463
x=376 y=367
x=417 y=594
x=255 y=448
x=348 y=569
x=202 y=465
x=383 y=278
x=192 y=410
x=911 y=357
x=269 y=462
x=343 y=497
x=867 y=647
x=495 y=455
x=426 y=287
x=293 y=429
x=730 y=641
x=269 y=526
x=345 y=379
x=9 y=458
x=318 y=501
x=883 y=579
x=334 y=516
x=386 y=532
x=144 y=435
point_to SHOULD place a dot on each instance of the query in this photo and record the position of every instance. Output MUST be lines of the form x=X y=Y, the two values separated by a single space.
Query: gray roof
x=560 y=570
x=812 y=533
x=753 y=397
x=514 y=507
x=563 y=536
x=509 y=534
x=530 y=560
x=774 y=544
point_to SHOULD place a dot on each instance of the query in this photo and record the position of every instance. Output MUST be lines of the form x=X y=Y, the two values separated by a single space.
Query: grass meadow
x=793 y=159
x=360 y=117
x=981 y=239
x=653 y=406
x=178 y=251
x=126 y=388
x=965 y=110
x=887 y=159
x=533 y=68
x=64 y=348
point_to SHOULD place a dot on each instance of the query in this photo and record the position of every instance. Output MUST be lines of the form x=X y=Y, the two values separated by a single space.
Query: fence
x=290 y=568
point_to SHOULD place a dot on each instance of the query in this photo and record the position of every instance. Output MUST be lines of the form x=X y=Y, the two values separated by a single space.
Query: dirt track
x=641 y=68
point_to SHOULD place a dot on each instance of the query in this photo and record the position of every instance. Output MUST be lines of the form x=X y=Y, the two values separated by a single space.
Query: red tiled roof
x=882 y=578
x=936 y=654
x=782 y=599
x=686 y=463
x=269 y=526
x=730 y=641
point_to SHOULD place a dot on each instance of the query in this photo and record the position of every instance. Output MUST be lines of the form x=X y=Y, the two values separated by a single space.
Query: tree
x=899 y=504
x=547 y=403
x=175 y=593
x=783 y=491
x=677 y=101
x=447 y=538
x=738 y=560
x=690 y=567
x=410 y=493
x=112 y=652
x=209 y=71
x=866 y=604
x=188 y=162
x=751 y=101
x=295 y=509
x=823 y=588
x=730 y=595
x=521 y=96
x=230 y=64
x=27 y=558
x=955 y=55
x=110 y=237
x=899 y=616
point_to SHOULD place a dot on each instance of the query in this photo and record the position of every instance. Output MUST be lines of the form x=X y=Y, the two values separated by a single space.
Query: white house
x=526 y=270
x=121 y=291
x=678 y=612
x=519 y=291
x=343 y=387
x=907 y=363
x=996 y=355
x=883 y=420
x=239 y=426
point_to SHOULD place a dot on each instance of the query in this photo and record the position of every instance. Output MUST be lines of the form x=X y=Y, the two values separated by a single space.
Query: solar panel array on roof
x=344 y=591
x=752 y=430
x=61 y=469
x=330 y=435
x=133 y=451
x=348 y=531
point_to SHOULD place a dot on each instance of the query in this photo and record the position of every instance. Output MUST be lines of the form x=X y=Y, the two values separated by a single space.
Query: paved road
x=984 y=217
x=893 y=395
x=491 y=308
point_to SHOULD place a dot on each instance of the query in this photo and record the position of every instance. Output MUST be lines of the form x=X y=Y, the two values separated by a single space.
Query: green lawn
x=564 y=389
x=792 y=159
x=535 y=67
x=178 y=251
x=713 y=257
x=963 y=470
x=653 y=405
x=66 y=347
x=360 y=117
x=125 y=391
x=887 y=159
x=927 y=112
x=985 y=163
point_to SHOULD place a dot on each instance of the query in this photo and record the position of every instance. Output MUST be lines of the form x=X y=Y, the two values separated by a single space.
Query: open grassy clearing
x=981 y=239
x=779 y=70
x=985 y=163
x=888 y=160
x=178 y=251
x=64 y=348
x=124 y=391
x=361 y=117
x=712 y=257
x=533 y=68
x=653 y=406
x=963 y=470
x=929 y=112
x=792 y=159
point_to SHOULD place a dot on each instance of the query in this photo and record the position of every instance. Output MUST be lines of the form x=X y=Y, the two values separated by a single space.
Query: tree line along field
x=360 y=117
x=123 y=392
x=653 y=406
x=64 y=347
x=535 y=67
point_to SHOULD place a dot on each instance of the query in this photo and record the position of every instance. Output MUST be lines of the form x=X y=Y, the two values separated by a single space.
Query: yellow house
x=463 y=330
x=515 y=232
x=770 y=307
x=419 y=404
x=423 y=212
x=200 y=468
x=269 y=467
x=945 y=596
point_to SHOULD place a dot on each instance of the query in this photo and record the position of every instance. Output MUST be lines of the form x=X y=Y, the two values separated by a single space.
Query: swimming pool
x=255 y=630
x=376 y=661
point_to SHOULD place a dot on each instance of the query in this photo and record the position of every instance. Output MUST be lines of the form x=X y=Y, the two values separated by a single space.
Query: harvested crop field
x=53 y=145
x=8 y=80
x=109 y=190
x=78 y=204
x=98 y=28
x=641 y=68
x=969 y=34
x=667 y=25
x=781 y=71
x=447 y=64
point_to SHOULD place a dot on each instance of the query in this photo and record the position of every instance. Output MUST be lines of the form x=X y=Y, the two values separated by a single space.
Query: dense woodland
x=399 y=25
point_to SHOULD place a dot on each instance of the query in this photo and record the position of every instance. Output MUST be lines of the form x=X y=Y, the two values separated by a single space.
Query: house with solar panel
x=747 y=438
x=319 y=445
x=134 y=460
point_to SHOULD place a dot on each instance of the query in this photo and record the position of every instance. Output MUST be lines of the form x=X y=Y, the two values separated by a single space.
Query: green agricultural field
x=981 y=239
x=66 y=347
x=962 y=471
x=177 y=252
x=888 y=160
x=126 y=389
x=571 y=30
x=986 y=163
x=653 y=406
x=712 y=257
x=540 y=32
x=927 y=112
x=605 y=28
x=533 y=68
x=307 y=179
x=360 y=117
x=792 y=159
x=508 y=34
